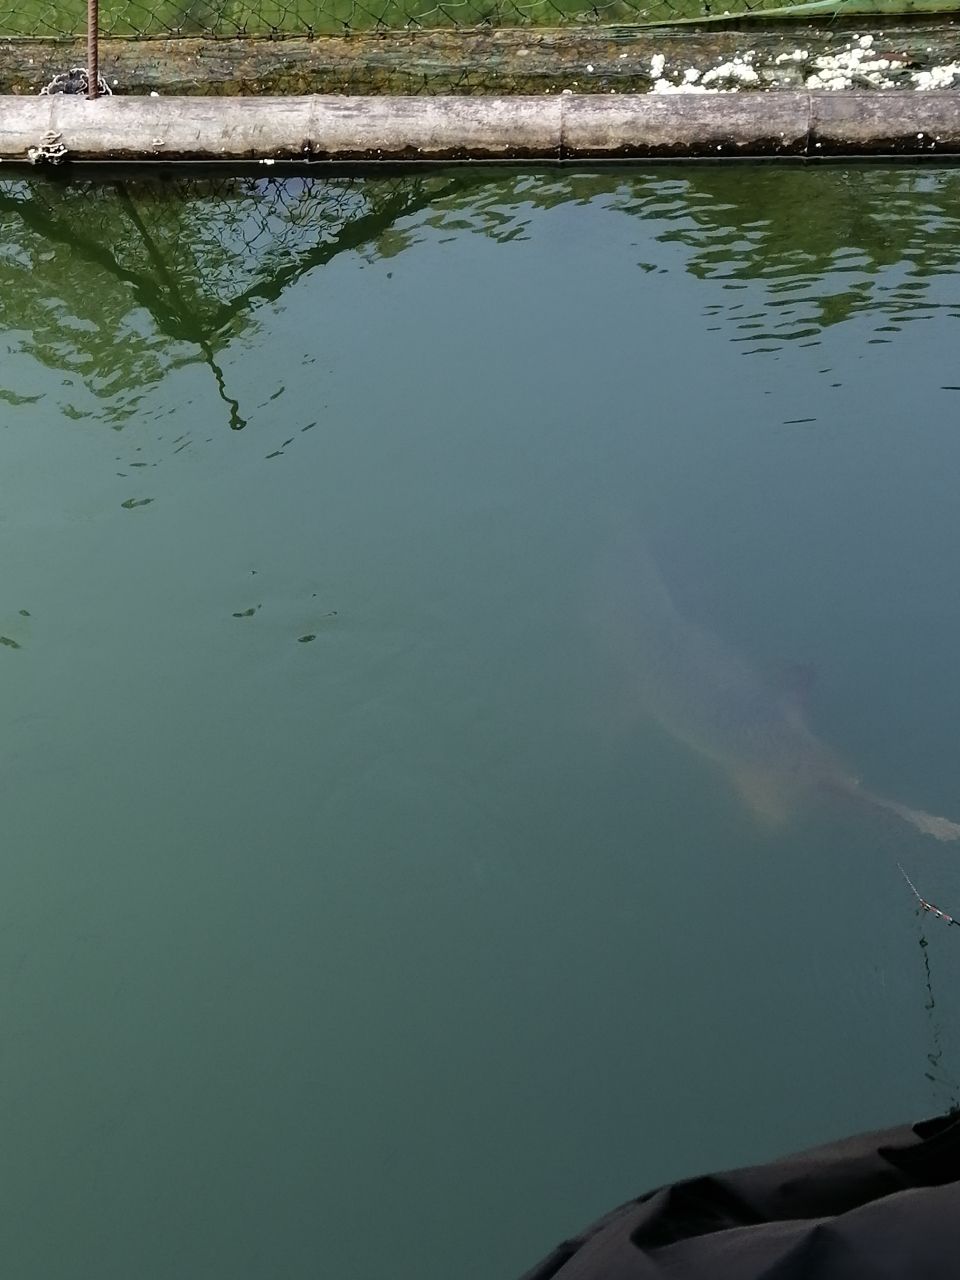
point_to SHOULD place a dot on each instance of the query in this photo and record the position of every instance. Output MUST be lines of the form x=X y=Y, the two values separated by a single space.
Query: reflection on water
x=90 y=260
x=360 y=909
x=86 y=262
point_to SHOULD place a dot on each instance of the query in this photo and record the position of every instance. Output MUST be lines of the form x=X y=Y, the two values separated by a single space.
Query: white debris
x=937 y=77
x=589 y=66
x=666 y=86
x=831 y=83
x=856 y=65
x=852 y=65
x=50 y=151
x=738 y=72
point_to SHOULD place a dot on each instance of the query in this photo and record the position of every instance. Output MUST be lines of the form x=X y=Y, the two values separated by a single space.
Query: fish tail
x=929 y=824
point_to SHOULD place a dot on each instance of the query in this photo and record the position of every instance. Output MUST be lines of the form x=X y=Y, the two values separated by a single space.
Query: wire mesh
x=225 y=19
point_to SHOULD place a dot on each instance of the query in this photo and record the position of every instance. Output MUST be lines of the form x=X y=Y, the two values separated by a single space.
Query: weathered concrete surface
x=295 y=128
x=505 y=61
x=551 y=127
x=891 y=123
x=687 y=125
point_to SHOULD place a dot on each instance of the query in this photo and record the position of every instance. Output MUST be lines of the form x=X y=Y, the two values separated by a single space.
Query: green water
x=355 y=917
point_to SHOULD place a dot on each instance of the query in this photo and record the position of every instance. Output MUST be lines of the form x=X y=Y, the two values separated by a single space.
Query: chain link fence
x=266 y=19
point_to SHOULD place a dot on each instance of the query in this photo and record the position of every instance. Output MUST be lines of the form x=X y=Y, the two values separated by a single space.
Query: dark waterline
x=357 y=917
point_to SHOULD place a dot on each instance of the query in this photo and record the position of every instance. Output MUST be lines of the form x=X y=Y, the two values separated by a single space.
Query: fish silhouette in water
x=708 y=697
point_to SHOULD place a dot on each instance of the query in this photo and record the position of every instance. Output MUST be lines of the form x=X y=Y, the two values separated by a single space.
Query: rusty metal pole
x=93 y=51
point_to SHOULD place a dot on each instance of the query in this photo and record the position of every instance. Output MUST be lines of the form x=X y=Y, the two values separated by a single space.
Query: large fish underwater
x=704 y=694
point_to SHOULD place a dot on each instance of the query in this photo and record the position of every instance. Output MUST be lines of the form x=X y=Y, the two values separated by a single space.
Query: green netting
x=265 y=18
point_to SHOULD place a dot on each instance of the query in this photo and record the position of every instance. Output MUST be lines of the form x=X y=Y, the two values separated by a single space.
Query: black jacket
x=881 y=1206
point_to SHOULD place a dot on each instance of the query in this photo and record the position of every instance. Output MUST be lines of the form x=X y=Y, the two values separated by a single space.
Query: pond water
x=367 y=906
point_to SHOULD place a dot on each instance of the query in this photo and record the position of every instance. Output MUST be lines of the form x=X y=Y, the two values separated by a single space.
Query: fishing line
x=924 y=904
x=936 y=1073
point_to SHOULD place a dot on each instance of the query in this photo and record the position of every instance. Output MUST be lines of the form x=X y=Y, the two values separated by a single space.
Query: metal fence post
x=93 y=51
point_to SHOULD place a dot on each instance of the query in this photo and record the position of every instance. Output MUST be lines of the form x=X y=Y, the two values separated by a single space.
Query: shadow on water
x=85 y=261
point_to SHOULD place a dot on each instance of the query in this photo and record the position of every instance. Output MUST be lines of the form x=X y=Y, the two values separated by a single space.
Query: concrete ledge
x=686 y=124
x=894 y=123
x=550 y=127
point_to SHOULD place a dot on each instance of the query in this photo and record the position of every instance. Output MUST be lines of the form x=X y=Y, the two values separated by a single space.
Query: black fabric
x=880 y=1206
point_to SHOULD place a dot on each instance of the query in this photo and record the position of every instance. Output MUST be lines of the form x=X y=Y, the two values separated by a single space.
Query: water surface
x=356 y=920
